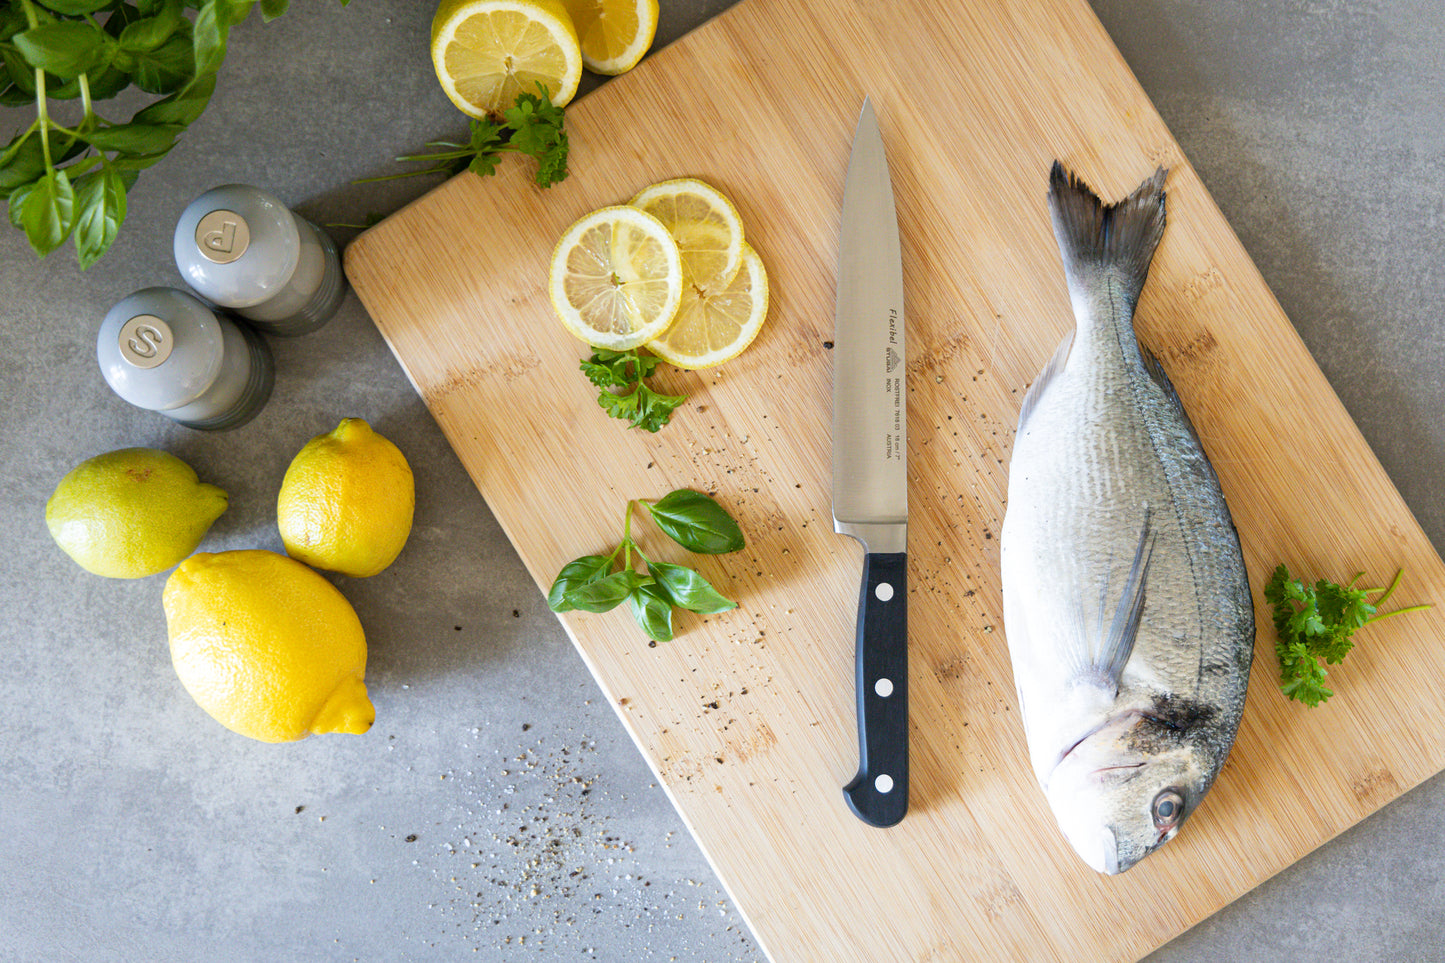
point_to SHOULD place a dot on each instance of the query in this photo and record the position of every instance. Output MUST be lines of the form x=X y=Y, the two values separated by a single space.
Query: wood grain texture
x=748 y=716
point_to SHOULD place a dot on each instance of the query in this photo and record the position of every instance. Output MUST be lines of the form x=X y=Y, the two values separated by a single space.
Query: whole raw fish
x=1126 y=603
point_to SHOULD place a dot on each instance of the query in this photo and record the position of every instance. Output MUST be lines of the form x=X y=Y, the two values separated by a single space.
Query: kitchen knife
x=870 y=481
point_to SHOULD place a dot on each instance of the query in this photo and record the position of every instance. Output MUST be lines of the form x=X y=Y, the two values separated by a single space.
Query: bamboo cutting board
x=748 y=717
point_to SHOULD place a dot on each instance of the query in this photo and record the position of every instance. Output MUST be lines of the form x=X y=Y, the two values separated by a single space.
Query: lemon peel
x=131 y=513
x=266 y=646
x=347 y=501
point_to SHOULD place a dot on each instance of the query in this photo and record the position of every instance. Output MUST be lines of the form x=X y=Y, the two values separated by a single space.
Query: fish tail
x=1106 y=242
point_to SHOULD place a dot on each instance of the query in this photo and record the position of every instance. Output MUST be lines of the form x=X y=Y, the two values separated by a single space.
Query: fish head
x=1118 y=796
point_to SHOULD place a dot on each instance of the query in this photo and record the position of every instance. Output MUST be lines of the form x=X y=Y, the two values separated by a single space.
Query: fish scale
x=1126 y=602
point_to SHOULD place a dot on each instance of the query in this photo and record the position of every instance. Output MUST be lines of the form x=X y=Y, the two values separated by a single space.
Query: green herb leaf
x=1314 y=623
x=48 y=212
x=641 y=406
x=687 y=589
x=140 y=140
x=15 y=202
x=167 y=68
x=22 y=162
x=148 y=33
x=608 y=369
x=696 y=522
x=75 y=8
x=537 y=132
x=271 y=9
x=575 y=574
x=65 y=48
x=182 y=107
x=100 y=199
x=21 y=74
x=533 y=126
x=208 y=38
x=605 y=593
x=652 y=611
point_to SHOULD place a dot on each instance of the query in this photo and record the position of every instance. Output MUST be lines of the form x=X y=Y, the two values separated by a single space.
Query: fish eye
x=1168 y=809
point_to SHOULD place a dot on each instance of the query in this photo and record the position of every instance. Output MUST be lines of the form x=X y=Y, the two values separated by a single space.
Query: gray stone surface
x=498 y=810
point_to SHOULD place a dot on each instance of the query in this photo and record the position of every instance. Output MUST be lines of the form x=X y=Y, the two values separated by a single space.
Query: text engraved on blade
x=893 y=390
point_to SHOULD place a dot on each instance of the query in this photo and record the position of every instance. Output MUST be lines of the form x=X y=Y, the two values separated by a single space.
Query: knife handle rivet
x=884 y=687
x=883 y=783
x=884 y=591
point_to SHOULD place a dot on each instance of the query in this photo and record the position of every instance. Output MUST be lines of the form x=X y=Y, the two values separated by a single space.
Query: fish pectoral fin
x=1041 y=383
x=1118 y=641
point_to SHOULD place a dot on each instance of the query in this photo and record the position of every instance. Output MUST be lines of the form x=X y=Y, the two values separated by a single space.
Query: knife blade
x=870 y=481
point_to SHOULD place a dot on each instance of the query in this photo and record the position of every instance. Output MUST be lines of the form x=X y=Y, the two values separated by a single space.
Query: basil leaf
x=696 y=522
x=208 y=40
x=23 y=161
x=135 y=139
x=75 y=7
x=12 y=21
x=605 y=593
x=108 y=83
x=100 y=198
x=66 y=49
x=687 y=589
x=652 y=612
x=21 y=74
x=48 y=212
x=575 y=574
x=16 y=203
x=165 y=69
x=181 y=107
x=271 y=9
x=148 y=33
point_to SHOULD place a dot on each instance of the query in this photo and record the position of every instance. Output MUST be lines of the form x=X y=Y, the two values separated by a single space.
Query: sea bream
x=1126 y=604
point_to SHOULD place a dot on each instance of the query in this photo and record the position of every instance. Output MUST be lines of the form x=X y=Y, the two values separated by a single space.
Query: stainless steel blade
x=870 y=432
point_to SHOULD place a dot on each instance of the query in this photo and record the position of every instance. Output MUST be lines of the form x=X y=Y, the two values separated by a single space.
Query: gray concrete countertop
x=498 y=809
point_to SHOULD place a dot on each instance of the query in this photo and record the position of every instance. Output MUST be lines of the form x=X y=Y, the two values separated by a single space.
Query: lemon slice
x=705 y=225
x=714 y=326
x=486 y=52
x=614 y=33
x=616 y=278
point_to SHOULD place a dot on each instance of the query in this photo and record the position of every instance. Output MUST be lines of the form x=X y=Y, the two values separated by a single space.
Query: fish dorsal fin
x=1116 y=641
x=1036 y=390
x=1156 y=373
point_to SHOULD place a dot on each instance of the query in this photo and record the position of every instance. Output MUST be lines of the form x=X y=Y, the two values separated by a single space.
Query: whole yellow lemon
x=131 y=513
x=267 y=646
x=346 y=502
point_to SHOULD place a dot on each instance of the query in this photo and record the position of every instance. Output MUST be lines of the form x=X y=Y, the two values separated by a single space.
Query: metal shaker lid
x=237 y=245
x=160 y=348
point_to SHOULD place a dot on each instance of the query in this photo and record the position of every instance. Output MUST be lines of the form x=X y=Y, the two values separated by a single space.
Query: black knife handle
x=878 y=795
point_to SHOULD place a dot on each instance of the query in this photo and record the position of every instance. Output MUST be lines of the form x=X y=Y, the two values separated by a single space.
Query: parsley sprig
x=596 y=583
x=1315 y=622
x=621 y=393
x=532 y=126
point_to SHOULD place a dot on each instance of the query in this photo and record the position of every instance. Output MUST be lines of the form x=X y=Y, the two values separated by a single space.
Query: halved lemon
x=486 y=52
x=705 y=225
x=616 y=278
x=714 y=326
x=614 y=33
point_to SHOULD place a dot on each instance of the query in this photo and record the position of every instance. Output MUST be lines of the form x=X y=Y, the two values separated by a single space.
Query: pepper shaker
x=242 y=249
x=166 y=351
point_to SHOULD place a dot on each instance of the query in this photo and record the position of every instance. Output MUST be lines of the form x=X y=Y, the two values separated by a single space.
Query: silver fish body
x=1126 y=603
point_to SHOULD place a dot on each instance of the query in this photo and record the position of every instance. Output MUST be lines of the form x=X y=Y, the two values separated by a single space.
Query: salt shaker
x=164 y=350
x=242 y=249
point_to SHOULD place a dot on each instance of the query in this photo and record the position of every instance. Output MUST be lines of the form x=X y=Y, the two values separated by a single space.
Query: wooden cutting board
x=748 y=717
